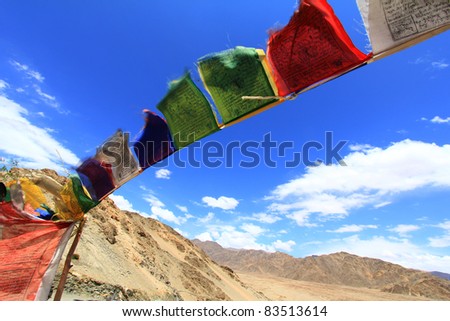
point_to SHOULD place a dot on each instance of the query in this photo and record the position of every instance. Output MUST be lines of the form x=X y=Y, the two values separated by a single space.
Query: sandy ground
x=280 y=289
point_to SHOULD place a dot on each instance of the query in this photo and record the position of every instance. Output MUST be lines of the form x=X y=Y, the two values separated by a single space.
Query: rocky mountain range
x=338 y=268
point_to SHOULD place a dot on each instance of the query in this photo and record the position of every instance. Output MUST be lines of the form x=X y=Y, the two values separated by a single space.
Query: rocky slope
x=125 y=256
x=338 y=268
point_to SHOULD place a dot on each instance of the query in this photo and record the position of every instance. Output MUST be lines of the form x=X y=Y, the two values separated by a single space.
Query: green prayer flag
x=187 y=111
x=232 y=74
x=85 y=202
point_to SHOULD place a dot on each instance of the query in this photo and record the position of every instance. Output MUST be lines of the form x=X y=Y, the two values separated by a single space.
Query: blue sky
x=72 y=72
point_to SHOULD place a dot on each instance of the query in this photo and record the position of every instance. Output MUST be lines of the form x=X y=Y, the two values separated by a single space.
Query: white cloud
x=163 y=173
x=205 y=236
x=49 y=100
x=122 y=203
x=44 y=95
x=50 y=130
x=3 y=85
x=353 y=228
x=36 y=81
x=125 y=205
x=159 y=211
x=264 y=218
x=444 y=240
x=435 y=64
x=165 y=214
x=284 y=246
x=419 y=61
x=440 y=241
x=223 y=202
x=445 y=225
x=34 y=146
x=231 y=237
x=301 y=218
x=29 y=72
x=36 y=75
x=404 y=229
x=382 y=204
x=252 y=229
x=207 y=218
x=153 y=200
x=372 y=176
x=360 y=147
x=244 y=237
x=439 y=64
x=184 y=209
x=397 y=251
x=439 y=120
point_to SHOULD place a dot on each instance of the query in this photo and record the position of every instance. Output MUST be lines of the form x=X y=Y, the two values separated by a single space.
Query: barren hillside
x=123 y=255
x=126 y=249
x=339 y=269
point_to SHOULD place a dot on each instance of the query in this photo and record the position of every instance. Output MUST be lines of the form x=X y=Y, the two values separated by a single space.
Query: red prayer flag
x=312 y=47
x=30 y=251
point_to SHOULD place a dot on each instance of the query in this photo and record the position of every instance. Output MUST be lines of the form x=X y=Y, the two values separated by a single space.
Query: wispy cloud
x=124 y=204
x=432 y=63
x=33 y=146
x=243 y=237
x=223 y=202
x=153 y=200
x=36 y=82
x=163 y=173
x=404 y=229
x=166 y=214
x=159 y=211
x=400 y=251
x=371 y=177
x=48 y=99
x=444 y=240
x=3 y=85
x=184 y=209
x=300 y=217
x=360 y=147
x=287 y=246
x=253 y=229
x=353 y=228
x=206 y=219
x=440 y=241
x=33 y=74
x=439 y=64
x=439 y=120
x=382 y=204
x=263 y=218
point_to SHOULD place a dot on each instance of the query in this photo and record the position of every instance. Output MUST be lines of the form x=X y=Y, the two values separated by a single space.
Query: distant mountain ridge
x=441 y=275
x=338 y=268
